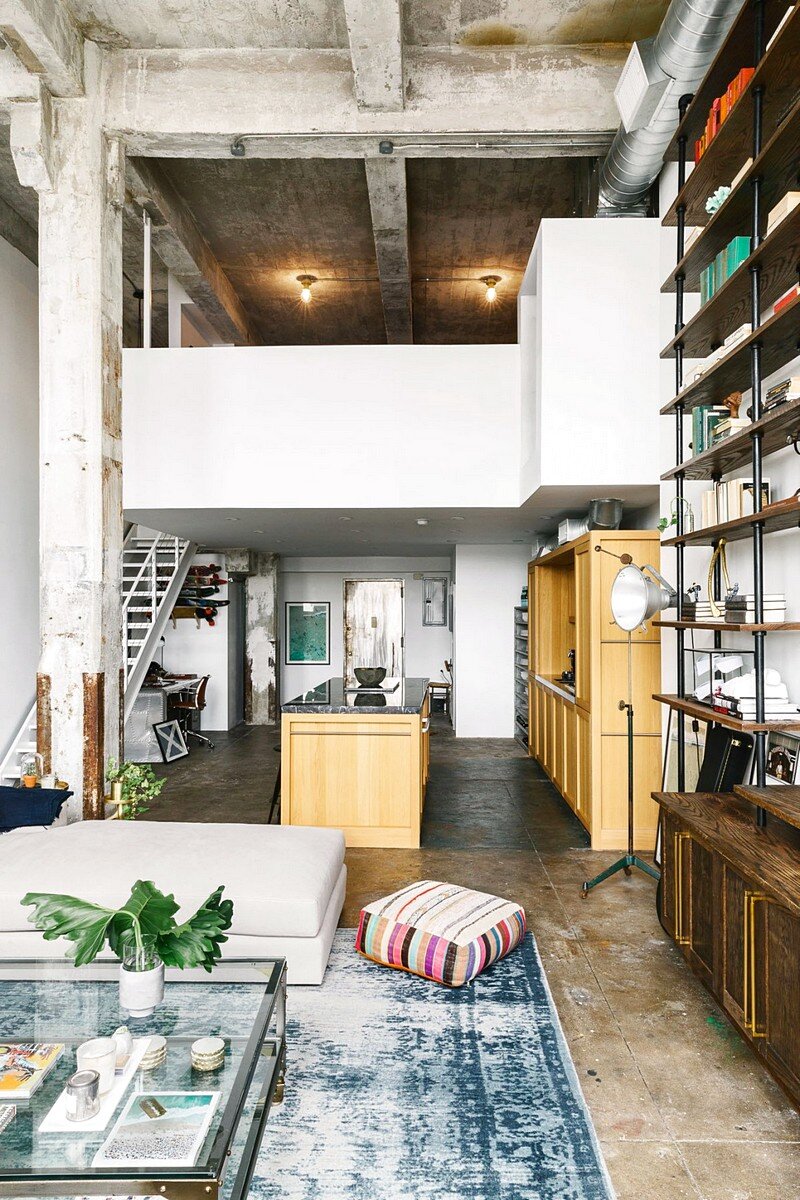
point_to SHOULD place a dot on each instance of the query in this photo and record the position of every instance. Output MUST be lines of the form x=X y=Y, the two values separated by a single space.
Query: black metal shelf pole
x=756 y=387
x=680 y=213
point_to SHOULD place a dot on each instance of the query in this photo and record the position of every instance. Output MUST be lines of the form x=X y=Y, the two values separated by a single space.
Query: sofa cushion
x=442 y=932
x=280 y=878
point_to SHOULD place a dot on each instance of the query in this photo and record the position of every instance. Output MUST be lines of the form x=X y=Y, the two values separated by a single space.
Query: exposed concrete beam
x=374 y=28
x=16 y=230
x=386 y=181
x=16 y=84
x=182 y=248
x=47 y=41
x=538 y=101
x=32 y=142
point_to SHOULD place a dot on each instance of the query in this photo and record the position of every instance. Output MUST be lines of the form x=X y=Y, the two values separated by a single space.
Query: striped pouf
x=442 y=932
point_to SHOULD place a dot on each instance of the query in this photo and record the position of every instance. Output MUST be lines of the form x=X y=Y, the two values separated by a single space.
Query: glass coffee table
x=242 y=1001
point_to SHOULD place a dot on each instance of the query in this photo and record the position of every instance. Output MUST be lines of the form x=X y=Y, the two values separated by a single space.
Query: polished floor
x=681 y=1106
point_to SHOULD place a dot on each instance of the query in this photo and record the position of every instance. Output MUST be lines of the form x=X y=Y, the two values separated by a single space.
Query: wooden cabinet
x=580 y=739
x=363 y=775
x=730 y=897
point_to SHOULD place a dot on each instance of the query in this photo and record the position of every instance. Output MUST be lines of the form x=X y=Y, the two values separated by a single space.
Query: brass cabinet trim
x=750 y=966
x=679 y=837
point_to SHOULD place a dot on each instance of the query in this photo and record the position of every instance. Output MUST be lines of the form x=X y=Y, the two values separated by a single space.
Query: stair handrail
x=150 y=557
x=11 y=749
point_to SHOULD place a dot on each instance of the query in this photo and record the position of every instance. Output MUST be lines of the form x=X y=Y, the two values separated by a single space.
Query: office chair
x=192 y=700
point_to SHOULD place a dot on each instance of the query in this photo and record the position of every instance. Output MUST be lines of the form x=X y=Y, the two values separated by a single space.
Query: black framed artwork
x=171 y=741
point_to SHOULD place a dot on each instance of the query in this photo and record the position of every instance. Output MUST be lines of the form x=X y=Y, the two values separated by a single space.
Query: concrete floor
x=681 y=1106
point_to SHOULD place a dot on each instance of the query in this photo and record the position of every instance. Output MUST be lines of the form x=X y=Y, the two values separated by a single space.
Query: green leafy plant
x=140 y=785
x=147 y=911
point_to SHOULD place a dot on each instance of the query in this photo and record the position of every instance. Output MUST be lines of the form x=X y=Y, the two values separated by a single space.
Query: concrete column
x=261 y=642
x=80 y=321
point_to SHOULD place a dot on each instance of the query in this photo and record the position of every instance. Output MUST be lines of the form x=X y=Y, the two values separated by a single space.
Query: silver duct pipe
x=690 y=36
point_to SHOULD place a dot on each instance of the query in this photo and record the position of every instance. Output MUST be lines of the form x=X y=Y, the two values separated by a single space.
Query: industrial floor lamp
x=635 y=599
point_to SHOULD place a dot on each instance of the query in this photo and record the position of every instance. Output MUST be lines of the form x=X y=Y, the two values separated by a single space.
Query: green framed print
x=308 y=632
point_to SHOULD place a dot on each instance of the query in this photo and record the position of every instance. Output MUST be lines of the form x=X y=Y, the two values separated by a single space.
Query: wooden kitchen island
x=357 y=761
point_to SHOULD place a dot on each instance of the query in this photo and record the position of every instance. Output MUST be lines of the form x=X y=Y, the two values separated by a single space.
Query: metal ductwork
x=683 y=49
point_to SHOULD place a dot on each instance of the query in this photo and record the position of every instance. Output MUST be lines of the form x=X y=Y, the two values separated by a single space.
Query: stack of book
x=745 y=708
x=780 y=212
x=740 y=609
x=733 y=339
x=781 y=392
x=723 y=429
x=705 y=418
x=698 y=610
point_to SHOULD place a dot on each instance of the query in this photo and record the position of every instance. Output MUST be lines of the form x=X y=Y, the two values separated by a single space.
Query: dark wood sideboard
x=730 y=898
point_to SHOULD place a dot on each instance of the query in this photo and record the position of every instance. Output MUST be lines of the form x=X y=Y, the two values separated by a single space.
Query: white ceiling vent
x=642 y=87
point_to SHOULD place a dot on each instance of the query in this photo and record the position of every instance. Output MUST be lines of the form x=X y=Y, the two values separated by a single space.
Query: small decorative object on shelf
x=149 y=916
x=32 y=770
x=717 y=198
x=712 y=671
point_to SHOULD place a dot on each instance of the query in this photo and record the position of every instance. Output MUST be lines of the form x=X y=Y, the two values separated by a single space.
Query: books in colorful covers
x=163 y=1129
x=24 y=1066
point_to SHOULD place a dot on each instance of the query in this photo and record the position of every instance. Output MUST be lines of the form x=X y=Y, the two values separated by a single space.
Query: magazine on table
x=24 y=1067
x=161 y=1129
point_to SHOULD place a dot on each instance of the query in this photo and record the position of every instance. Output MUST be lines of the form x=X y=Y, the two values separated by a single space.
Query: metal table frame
x=186 y=1183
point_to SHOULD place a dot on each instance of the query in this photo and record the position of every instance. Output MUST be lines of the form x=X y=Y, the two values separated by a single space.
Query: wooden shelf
x=735 y=52
x=736 y=451
x=777 y=256
x=783 y=802
x=776 y=167
x=732 y=146
x=725 y=823
x=731 y=626
x=779 y=337
x=742 y=527
x=702 y=712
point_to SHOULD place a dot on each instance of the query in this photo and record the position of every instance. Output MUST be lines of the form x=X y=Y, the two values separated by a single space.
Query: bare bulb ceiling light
x=305 y=282
x=491 y=282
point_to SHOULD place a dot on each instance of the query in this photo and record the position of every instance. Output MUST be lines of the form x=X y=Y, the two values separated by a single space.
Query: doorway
x=373 y=626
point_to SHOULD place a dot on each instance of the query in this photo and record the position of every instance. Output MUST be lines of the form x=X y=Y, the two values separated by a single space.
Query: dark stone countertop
x=330 y=697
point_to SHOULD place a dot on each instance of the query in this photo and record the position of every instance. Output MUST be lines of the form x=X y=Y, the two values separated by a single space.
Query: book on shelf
x=781 y=211
x=729 y=500
x=24 y=1066
x=785 y=300
x=724 y=429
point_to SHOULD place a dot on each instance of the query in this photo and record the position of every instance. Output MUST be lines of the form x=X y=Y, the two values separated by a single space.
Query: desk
x=150 y=707
x=441 y=685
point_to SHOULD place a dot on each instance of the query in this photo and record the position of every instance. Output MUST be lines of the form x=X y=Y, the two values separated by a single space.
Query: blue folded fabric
x=30 y=806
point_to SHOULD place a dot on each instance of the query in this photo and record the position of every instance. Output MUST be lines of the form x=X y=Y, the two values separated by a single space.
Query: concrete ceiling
x=381 y=530
x=320 y=24
x=270 y=220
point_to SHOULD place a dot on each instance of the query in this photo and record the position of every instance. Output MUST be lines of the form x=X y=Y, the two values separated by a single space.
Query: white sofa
x=287 y=883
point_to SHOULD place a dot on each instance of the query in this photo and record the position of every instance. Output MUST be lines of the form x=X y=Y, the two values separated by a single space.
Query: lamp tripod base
x=624 y=864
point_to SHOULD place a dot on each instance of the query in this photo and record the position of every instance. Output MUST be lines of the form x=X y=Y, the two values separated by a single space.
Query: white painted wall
x=203 y=651
x=781 y=550
x=322 y=426
x=488 y=583
x=589 y=335
x=19 y=487
x=322 y=579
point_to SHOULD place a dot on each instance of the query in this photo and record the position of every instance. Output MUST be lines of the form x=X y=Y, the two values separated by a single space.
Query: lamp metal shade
x=635 y=598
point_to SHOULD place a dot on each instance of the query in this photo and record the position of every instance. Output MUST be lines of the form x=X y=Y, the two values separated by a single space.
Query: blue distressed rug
x=399 y=1089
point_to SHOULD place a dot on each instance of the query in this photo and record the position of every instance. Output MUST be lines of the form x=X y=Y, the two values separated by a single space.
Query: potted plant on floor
x=133 y=787
x=143 y=934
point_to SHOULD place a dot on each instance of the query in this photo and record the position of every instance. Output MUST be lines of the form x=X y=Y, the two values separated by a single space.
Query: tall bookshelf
x=764 y=125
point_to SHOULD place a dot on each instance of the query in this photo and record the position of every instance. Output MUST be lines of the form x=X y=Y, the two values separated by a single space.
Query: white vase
x=140 y=992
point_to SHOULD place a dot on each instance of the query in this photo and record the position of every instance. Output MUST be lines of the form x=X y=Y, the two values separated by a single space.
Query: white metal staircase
x=22 y=747
x=154 y=569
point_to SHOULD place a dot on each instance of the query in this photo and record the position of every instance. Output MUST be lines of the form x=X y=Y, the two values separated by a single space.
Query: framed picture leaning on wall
x=783 y=750
x=308 y=632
